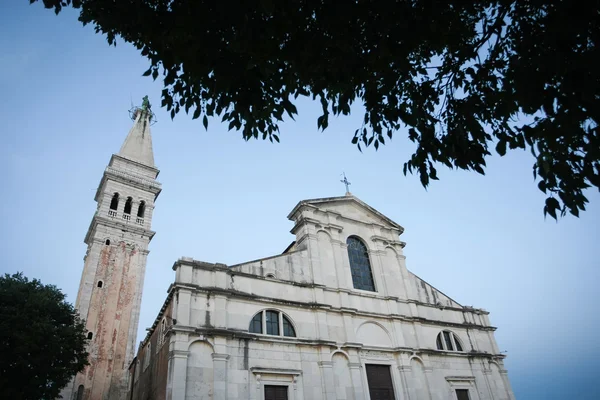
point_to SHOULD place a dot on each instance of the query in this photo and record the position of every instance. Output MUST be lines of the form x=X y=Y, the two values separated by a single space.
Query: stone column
x=315 y=260
x=220 y=311
x=506 y=382
x=404 y=370
x=328 y=379
x=356 y=380
x=321 y=325
x=182 y=312
x=220 y=375
x=377 y=270
x=428 y=372
x=349 y=327
x=485 y=372
x=177 y=374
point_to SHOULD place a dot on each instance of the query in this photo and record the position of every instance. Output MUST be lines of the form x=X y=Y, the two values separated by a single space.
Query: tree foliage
x=462 y=78
x=42 y=340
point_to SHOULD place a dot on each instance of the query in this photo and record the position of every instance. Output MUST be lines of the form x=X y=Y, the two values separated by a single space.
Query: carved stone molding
x=220 y=357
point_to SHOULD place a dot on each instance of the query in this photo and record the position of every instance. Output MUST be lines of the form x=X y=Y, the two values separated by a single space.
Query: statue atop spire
x=146 y=104
x=138 y=144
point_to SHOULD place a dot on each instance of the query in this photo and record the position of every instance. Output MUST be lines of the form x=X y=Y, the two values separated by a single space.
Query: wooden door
x=380 y=382
x=273 y=392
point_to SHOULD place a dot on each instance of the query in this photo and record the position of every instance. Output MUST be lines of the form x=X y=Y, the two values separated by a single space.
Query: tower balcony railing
x=126 y=217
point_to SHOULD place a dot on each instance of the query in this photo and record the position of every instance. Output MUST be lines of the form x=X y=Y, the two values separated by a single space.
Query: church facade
x=337 y=316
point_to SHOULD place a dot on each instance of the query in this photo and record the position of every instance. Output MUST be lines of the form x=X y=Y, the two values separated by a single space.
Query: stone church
x=337 y=315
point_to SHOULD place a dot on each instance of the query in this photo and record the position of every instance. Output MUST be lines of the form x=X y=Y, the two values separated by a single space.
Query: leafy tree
x=42 y=340
x=462 y=77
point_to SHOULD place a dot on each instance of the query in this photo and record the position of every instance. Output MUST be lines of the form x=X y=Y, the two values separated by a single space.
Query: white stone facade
x=202 y=345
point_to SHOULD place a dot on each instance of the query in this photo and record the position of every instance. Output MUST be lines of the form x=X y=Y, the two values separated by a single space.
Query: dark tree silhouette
x=461 y=78
x=42 y=340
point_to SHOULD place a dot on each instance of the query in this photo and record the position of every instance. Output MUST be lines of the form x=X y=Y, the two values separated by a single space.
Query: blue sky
x=481 y=240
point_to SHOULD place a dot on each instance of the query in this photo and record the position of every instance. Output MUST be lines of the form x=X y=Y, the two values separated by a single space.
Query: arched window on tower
x=360 y=267
x=114 y=202
x=128 y=203
x=141 y=209
x=90 y=335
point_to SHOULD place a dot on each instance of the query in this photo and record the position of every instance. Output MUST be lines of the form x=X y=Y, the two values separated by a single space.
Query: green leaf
x=205 y=122
x=551 y=206
x=542 y=186
x=197 y=113
x=501 y=147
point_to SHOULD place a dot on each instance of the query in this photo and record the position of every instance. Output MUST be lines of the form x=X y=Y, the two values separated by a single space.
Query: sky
x=482 y=240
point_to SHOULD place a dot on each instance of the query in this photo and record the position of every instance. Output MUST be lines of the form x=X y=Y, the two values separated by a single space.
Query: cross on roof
x=345 y=182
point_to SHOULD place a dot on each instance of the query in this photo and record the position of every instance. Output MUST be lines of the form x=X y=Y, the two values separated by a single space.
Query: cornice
x=116 y=224
x=238 y=334
x=388 y=242
x=322 y=306
x=305 y=205
x=130 y=179
x=318 y=224
x=460 y=379
x=275 y=371
x=131 y=176
x=154 y=170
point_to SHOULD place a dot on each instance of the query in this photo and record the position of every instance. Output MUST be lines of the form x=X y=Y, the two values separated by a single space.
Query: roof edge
x=348 y=197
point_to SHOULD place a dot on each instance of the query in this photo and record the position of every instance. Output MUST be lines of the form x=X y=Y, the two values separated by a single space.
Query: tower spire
x=138 y=143
x=110 y=291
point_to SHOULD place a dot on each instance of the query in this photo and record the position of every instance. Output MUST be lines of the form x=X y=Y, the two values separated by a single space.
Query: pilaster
x=328 y=379
x=220 y=375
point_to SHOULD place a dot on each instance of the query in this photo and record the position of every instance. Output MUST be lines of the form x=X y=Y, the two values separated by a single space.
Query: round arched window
x=448 y=341
x=360 y=267
x=272 y=322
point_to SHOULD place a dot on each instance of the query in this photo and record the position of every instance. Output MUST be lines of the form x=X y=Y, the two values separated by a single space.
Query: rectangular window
x=147 y=356
x=272 y=322
x=448 y=341
x=275 y=392
x=380 y=382
x=462 y=394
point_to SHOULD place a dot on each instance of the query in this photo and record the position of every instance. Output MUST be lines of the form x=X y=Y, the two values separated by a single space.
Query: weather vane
x=345 y=182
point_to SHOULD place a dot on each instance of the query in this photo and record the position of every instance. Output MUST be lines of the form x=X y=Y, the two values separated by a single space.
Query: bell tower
x=110 y=292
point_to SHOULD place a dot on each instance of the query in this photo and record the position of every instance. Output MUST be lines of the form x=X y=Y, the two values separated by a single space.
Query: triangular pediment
x=348 y=206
